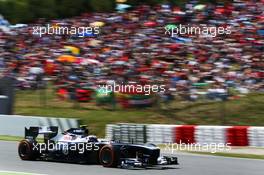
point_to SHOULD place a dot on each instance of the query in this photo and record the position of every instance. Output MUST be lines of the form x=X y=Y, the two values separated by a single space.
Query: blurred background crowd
x=132 y=48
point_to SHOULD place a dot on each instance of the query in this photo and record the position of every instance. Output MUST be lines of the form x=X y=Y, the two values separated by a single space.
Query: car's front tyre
x=108 y=156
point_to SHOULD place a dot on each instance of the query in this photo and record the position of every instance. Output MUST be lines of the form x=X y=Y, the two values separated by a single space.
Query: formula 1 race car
x=77 y=146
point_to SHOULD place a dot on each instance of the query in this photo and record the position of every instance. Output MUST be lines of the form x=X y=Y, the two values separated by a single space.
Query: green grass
x=10 y=138
x=244 y=111
x=17 y=138
x=236 y=155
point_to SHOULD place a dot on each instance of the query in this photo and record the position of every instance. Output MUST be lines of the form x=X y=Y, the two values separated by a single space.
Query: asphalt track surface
x=189 y=165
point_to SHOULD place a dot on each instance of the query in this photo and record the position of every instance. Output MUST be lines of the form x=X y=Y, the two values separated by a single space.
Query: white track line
x=19 y=172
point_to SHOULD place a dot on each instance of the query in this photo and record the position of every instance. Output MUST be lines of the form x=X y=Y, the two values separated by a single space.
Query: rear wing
x=48 y=132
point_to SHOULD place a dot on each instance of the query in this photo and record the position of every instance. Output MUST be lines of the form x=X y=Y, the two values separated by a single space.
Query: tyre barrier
x=185 y=134
x=109 y=131
x=188 y=134
x=127 y=133
x=14 y=125
x=256 y=136
x=210 y=134
x=237 y=136
x=160 y=133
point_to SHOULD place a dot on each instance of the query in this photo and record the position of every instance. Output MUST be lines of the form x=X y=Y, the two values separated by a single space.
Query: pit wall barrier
x=14 y=125
x=188 y=134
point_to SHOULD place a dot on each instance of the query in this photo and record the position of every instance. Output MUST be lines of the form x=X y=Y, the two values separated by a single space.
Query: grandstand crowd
x=132 y=48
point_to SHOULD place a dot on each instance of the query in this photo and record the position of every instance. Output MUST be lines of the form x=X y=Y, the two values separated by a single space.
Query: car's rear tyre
x=26 y=150
x=108 y=156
